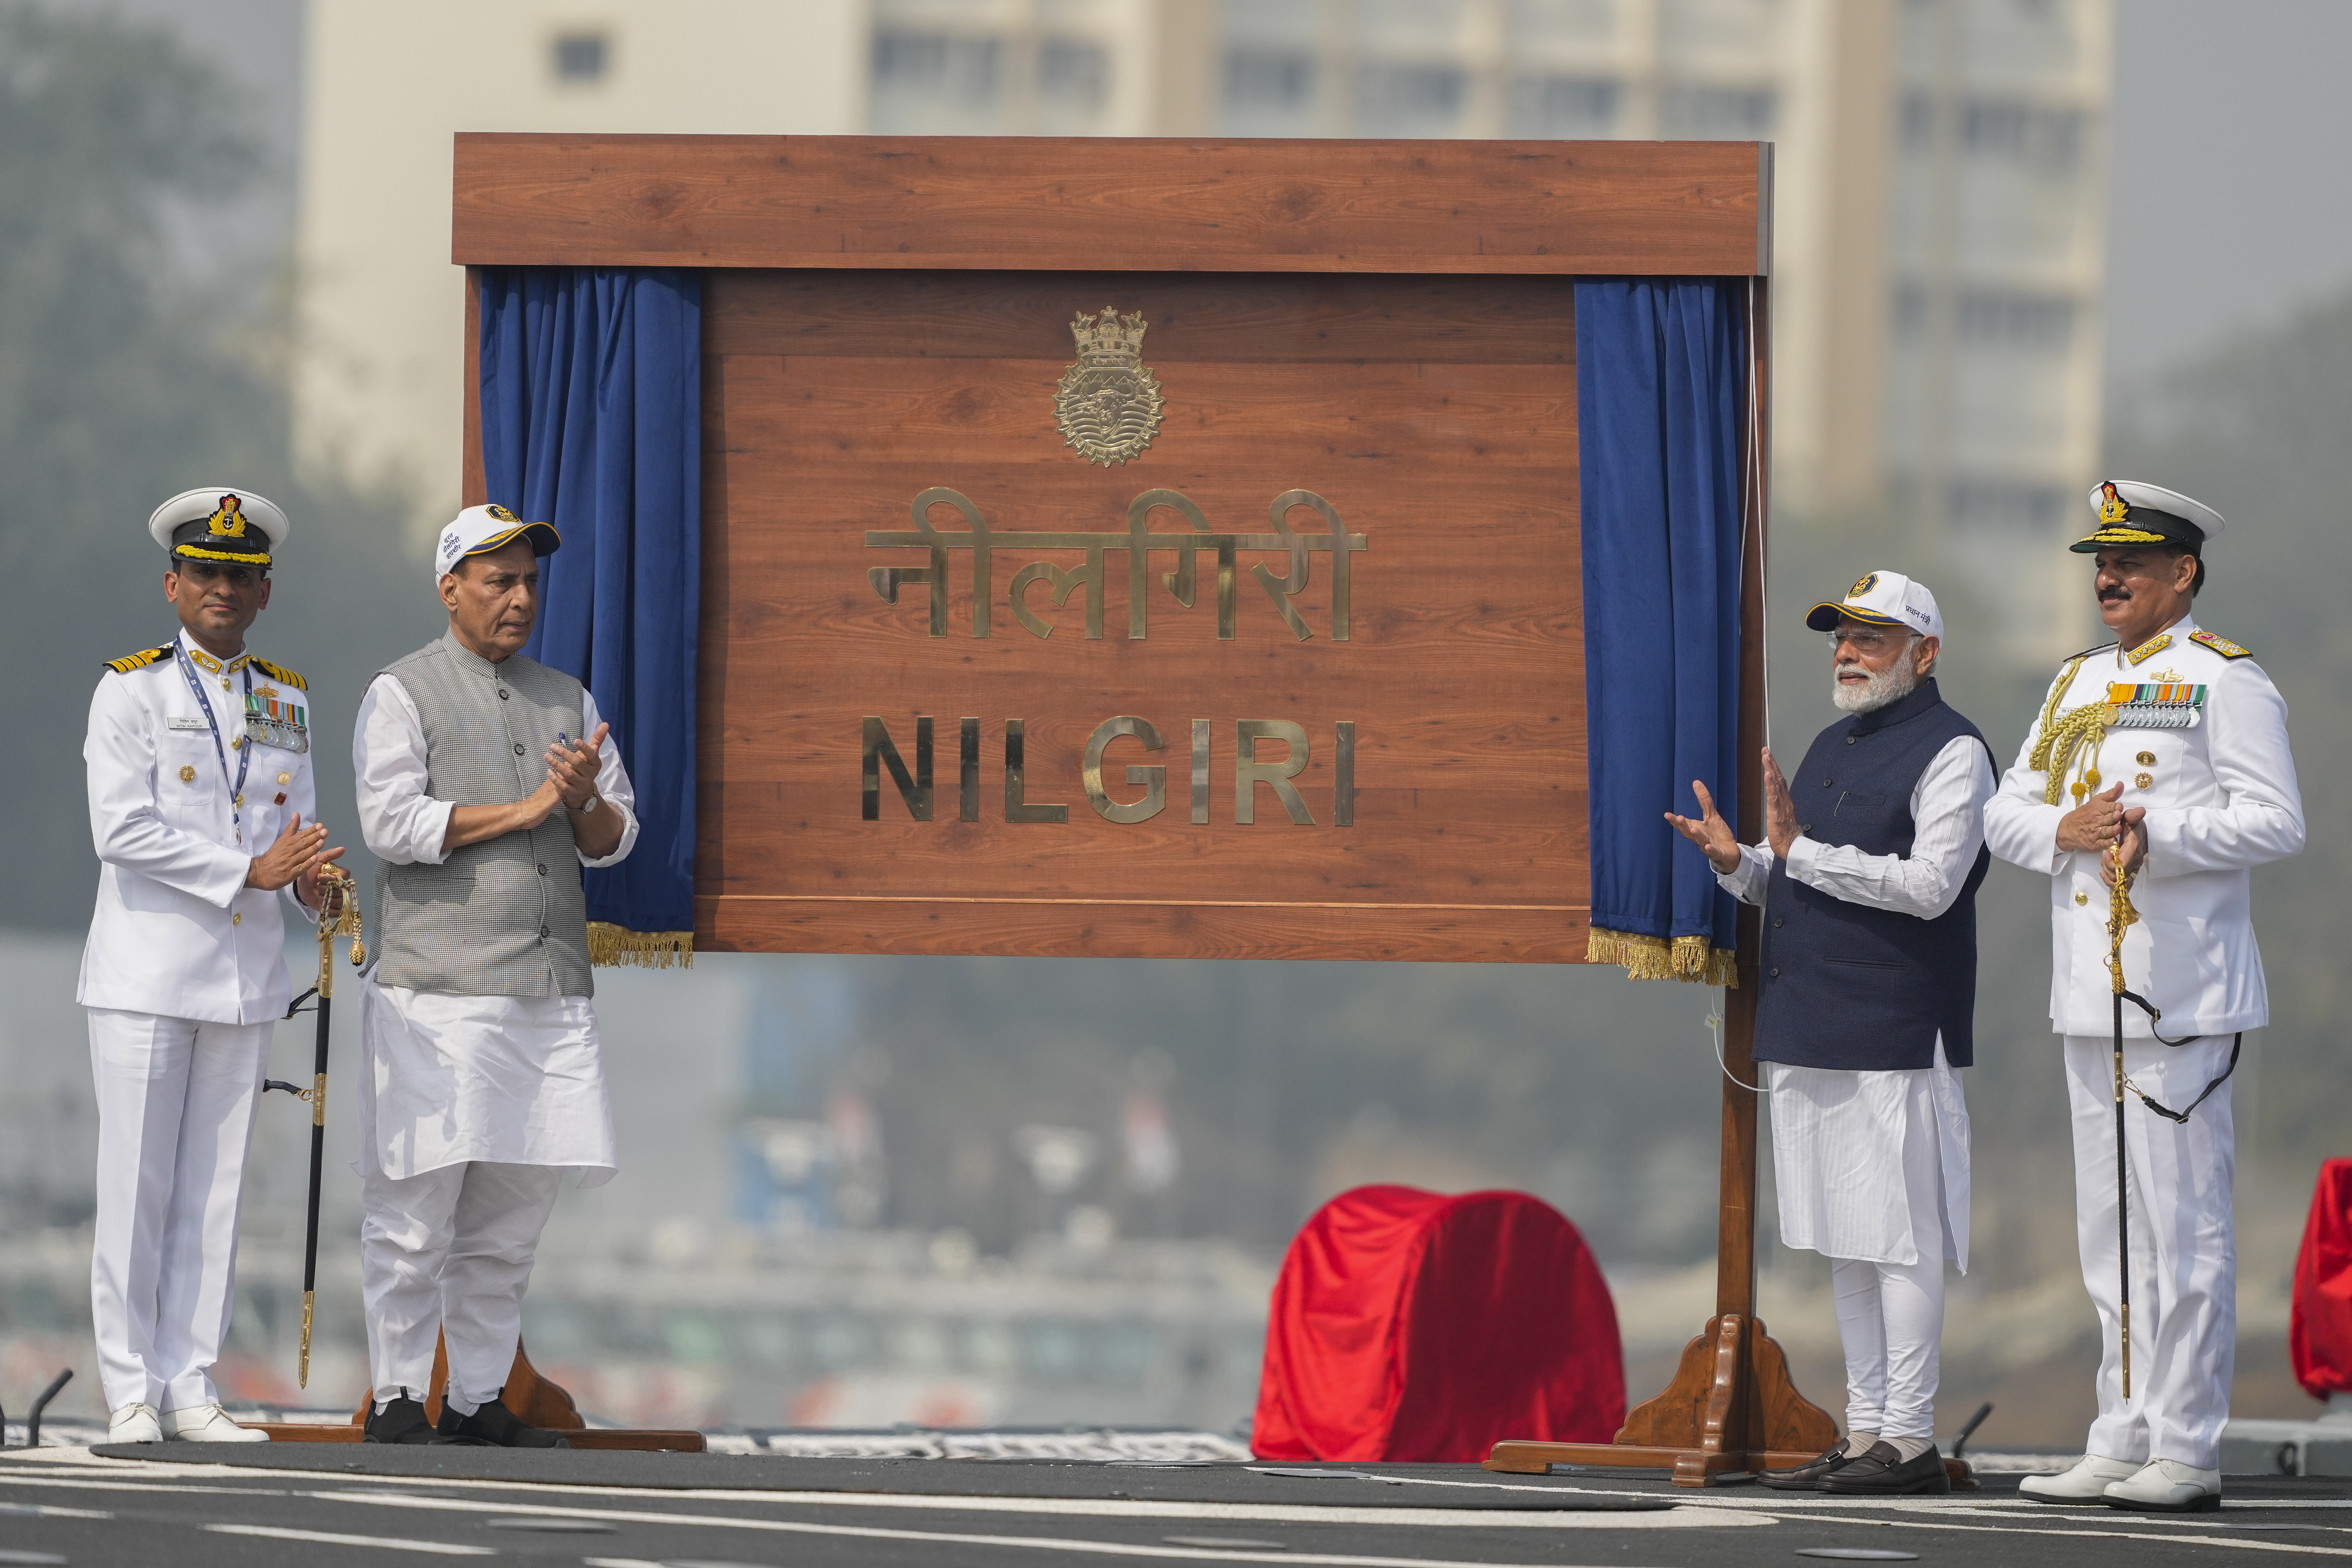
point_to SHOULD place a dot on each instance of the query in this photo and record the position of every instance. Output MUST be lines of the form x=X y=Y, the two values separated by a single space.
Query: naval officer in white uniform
x=1868 y=875
x=2167 y=746
x=200 y=800
x=487 y=781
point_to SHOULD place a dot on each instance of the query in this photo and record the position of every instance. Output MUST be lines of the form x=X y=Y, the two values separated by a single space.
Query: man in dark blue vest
x=1868 y=878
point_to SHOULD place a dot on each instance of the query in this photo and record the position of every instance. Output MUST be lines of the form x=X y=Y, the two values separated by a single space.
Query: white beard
x=1886 y=686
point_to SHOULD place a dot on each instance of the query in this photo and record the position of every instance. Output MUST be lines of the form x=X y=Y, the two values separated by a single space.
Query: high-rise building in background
x=1939 y=184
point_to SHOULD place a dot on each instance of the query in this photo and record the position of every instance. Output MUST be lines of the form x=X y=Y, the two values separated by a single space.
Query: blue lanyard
x=244 y=754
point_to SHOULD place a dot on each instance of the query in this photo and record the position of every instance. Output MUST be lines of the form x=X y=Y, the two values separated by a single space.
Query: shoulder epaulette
x=2089 y=651
x=2221 y=645
x=139 y=660
x=279 y=672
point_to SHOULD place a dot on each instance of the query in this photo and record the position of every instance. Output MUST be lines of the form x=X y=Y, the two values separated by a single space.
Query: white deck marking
x=327 y=1538
x=1096 y=1507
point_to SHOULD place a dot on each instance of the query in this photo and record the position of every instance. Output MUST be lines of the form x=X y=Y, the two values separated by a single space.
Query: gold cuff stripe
x=610 y=946
x=1694 y=958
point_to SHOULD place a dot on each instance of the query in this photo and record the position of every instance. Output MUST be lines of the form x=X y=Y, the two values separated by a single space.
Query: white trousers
x=447 y=1253
x=175 y=1111
x=1890 y=1321
x=2184 y=1252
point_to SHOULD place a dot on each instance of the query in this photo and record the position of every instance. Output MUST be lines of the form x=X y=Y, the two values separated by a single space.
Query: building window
x=1994 y=317
x=936 y=83
x=1565 y=106
x=2007 y=504
x=581 y=57
x=2048 y=140
x=1409 y=99
x=1693 y=112
x=1073 y=74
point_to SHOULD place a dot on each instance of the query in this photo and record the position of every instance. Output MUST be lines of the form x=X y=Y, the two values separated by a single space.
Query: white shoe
x=2167 y=1486
x=2088 y=1482
x=133 y=1424
x=207 y=1424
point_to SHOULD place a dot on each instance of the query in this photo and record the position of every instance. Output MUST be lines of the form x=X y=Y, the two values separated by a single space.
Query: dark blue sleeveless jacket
x=1846 y=985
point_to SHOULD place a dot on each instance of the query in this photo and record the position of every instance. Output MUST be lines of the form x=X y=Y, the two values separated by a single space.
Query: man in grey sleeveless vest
x=486 y=781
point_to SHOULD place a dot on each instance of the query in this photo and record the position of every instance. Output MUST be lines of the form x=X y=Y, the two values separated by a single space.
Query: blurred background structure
x=2020 y=243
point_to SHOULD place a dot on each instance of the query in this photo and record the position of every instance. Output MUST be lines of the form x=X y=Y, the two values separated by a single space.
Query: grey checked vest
x=506 y=917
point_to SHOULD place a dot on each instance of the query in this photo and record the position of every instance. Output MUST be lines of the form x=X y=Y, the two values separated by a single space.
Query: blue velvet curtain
x=1661 y=395
x=592 y=419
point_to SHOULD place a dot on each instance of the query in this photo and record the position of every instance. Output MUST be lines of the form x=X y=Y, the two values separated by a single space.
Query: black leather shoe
x=1809 y=1476
x=1882 y=1472
x=494 y=1423
x=399 y=1421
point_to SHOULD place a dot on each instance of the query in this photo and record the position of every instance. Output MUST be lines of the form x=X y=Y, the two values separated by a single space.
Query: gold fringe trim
x=610 y=946
x=1687 y=958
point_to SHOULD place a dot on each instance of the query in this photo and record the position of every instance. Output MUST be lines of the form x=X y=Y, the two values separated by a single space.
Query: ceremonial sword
x=339 y=915
x=2120 y=918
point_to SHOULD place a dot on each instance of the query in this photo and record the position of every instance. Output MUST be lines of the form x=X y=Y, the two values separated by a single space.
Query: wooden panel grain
x=933 y=204
x=1019 y=929
x=1461 y=672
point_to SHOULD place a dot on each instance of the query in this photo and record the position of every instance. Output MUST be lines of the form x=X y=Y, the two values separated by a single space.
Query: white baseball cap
x=1884 y=599
x=480 y=528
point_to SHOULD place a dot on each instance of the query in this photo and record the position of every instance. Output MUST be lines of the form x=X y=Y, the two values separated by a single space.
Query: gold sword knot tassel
x=302 y=1375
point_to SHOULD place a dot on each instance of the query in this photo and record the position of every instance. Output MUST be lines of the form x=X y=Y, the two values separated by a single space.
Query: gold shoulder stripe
x=279 y=672
x=139 y=660
x=2221 y=645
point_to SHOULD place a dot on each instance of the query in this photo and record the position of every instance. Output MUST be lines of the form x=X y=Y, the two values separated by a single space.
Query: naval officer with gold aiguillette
x=200 y=801
x=2167 y=747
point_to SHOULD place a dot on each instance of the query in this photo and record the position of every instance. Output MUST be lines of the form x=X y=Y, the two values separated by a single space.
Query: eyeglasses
x=1865 y=639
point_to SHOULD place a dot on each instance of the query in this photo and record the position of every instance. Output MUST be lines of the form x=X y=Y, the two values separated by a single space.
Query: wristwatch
x=594 y=800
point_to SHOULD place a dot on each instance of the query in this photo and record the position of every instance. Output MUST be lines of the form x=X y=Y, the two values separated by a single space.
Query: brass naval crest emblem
x=1108 y=404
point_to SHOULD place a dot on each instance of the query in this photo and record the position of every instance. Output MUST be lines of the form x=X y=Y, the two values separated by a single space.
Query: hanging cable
x=1715 y=1028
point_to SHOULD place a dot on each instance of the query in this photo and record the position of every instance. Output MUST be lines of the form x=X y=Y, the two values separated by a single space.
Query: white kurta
x=1850 y=1150
x=451 y=1079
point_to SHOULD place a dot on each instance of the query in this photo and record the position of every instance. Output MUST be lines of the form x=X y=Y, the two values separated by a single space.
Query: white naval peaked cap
x=2131 y=512
x=231 y=518
x=480 y=528
x=1885 y=599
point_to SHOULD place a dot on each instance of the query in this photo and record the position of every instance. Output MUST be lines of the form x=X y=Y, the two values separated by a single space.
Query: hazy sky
x=2230 y=122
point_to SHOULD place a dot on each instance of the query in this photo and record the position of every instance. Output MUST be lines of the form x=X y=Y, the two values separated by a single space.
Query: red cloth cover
x=2319 y=1328
x=1410 y=1325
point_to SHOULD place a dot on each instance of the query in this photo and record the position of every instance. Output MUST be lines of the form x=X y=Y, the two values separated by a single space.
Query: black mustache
x=2114 y=596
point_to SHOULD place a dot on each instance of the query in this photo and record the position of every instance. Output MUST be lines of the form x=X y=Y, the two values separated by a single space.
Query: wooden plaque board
x=1383 y=333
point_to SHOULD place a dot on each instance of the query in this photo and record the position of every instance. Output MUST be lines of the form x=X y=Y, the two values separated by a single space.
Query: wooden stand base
x=1731 y=1410
x=537 y=1401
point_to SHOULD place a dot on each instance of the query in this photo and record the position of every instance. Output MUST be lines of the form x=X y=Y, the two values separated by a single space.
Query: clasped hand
x=2103 y=825
x=298 y=856
x=571 y=776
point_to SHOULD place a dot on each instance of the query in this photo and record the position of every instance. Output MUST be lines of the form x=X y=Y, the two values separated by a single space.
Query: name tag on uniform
x=2168 y=705
x=272 y=717
x=177 y=724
